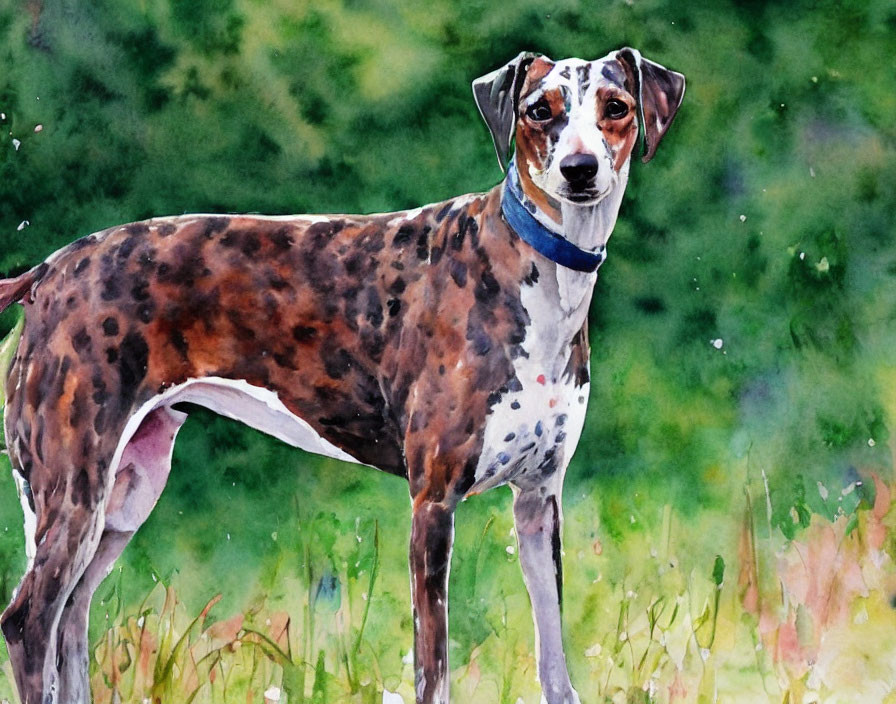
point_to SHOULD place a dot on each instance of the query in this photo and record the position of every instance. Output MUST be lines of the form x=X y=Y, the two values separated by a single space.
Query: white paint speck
x=392 y=697
x=704 y=653
x=510 y=549
x=802 y=256
x=228 y=536
x=593 y=651
x=23 y=225
x=812 y=172
x=16 y=143
x=822 y=491
x=743 y=218
x=272 y=694
x=38 y=128
x=408 y=658
x=871 y=442
x=823 y=265
x=717 y=343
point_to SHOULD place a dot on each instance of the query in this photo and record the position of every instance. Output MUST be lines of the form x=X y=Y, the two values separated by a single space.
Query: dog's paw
x=567 y=696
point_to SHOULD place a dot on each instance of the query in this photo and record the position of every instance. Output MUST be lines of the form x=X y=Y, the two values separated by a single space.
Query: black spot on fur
x=99 y=420
x=404 y=235
x=179 y=342
x=337 y=363
x=251 y=245
x=479 y=338
x=81 y=489
x=556 y=551
x=166 y=229
x=215 y=225
x=373 y=343
x=145 y=311
x=549 y=464
x=110 y=274
x=532 y=276
x=487 y=288
x=137 y=229
x=303 y=333
x=78 y=407
x=285 y=359
x=281 y=239
x=374 y=311
x=423 y=244
x=81 y=341
x=132 y=364
x=458 y=271
x=394 y=306
x=445 y=209
x=81 y=266
x=140 y=290
x=128 y=246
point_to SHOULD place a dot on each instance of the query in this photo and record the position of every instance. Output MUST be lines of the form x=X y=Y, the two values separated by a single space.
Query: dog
x=446 y=344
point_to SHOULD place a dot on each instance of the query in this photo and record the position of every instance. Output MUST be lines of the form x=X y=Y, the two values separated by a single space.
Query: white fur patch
x=257 y=407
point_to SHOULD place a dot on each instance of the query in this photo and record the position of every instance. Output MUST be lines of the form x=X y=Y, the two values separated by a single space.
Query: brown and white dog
x=445 y=344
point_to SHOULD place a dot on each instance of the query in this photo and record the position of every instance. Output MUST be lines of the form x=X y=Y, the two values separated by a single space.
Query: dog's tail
x=12 y=290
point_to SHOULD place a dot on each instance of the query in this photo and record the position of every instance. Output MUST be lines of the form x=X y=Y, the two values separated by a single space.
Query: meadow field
x=729 y=533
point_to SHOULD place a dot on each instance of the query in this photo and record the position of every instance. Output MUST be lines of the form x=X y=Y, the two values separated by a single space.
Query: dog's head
x=576 y=122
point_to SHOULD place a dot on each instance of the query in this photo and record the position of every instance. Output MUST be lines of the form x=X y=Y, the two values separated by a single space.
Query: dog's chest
x=533 y=430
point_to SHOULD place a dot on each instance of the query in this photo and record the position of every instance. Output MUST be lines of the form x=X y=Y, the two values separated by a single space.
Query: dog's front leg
x=432 y=534
x=537 y=517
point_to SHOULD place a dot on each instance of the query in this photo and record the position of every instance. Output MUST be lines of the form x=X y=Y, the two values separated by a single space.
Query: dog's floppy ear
x=496 y=96
x=659 y=93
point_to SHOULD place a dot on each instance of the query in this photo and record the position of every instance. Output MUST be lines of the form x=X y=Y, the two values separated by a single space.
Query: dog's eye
x=540 y=111
x=615 y=109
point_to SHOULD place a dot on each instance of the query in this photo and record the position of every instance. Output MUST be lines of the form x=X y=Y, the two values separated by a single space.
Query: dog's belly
x=531 y=434
x=257 y=407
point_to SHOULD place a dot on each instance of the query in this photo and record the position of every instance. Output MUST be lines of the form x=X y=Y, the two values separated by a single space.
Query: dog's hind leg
x=30 y=623
x=46 y=624
x=142 y=474
x=536 y=514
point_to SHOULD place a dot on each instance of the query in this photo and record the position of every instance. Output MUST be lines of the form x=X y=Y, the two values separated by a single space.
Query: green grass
x=683 y=609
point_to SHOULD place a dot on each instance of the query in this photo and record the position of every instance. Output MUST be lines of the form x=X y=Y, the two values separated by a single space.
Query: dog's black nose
x=579 y=168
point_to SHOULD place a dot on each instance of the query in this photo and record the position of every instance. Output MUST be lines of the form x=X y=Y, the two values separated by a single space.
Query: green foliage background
x=765 y=221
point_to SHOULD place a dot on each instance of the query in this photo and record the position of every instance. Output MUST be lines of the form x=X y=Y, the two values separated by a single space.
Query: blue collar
x=518 y=212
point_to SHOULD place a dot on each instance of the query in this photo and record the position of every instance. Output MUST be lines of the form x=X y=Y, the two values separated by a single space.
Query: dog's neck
x=588 y=227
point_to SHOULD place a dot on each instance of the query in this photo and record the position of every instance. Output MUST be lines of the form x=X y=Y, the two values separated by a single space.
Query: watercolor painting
x=727 y=525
